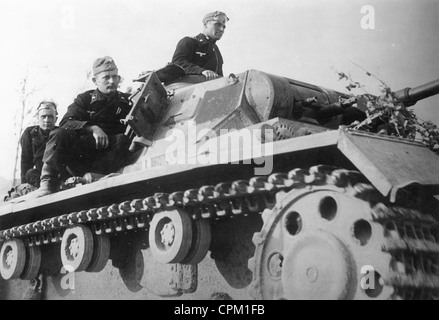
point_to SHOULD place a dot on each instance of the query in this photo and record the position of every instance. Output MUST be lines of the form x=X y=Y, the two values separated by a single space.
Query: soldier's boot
x=49 y=182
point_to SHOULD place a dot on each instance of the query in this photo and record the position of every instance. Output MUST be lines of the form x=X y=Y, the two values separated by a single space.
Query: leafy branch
x=387 y=115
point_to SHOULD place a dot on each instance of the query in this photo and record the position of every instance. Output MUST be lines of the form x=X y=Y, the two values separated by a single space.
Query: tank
x=231 y=193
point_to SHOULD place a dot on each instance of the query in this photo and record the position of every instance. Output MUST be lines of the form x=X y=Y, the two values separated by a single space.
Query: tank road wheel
x=318 y=243
x=13 y=259
x=77 y=248
x=170 y=236
x=101 y=253
x=200 y=243
x=33 y=263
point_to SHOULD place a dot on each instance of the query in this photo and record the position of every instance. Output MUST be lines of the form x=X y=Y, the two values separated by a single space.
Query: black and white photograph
x=234 y=150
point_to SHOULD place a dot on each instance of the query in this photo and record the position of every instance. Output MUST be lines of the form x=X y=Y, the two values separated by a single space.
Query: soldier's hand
x=210 y=75
x=100 y=137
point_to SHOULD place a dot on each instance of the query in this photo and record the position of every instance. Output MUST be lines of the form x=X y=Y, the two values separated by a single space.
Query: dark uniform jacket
x=198 y=54
x=94 y=108
x=33 y=143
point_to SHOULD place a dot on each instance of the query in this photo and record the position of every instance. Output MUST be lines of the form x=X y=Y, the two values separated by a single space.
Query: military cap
x=216 y=16
x=103 y=64
x=47 y=105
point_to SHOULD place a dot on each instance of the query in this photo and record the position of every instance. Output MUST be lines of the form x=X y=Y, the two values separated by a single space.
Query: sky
x=53 y=43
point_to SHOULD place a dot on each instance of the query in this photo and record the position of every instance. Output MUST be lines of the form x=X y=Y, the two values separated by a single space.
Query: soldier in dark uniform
x=200 y=54
x=91 y=135
x=33 y=143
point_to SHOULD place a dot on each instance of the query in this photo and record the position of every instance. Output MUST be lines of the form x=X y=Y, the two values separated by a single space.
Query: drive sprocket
x=338 y=240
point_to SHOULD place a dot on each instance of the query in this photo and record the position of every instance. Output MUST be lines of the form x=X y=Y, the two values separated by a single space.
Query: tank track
x=208 y=202
x=411 y=237
x=409 y=241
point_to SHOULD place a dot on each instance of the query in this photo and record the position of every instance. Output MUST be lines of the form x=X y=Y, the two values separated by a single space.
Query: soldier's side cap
x=47 y=105
x=103 y=64
x=216 y=16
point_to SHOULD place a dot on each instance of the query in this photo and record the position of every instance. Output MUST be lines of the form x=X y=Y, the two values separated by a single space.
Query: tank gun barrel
x=409 y=96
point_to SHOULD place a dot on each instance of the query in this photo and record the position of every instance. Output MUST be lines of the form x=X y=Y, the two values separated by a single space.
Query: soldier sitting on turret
x=91 y=136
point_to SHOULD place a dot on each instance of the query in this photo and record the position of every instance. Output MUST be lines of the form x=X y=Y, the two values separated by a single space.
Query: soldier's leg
x=84 y=155
x=60 y=148
x=115 y=156
x=59 y=151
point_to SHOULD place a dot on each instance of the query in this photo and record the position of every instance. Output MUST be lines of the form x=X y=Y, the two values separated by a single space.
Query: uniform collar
x=38 y=131
x=99 y=96
x=35 y=130
x=203 y=38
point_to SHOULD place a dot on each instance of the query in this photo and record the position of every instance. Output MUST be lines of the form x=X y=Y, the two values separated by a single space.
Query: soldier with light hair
x=33 y=143
x=200 y=55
